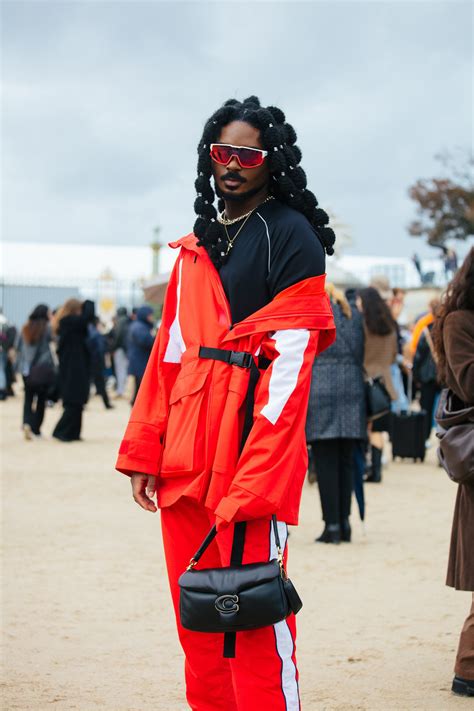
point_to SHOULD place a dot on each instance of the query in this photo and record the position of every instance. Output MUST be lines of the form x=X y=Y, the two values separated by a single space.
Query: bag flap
x=233 y=579
x=187 y=385
x=456 y=452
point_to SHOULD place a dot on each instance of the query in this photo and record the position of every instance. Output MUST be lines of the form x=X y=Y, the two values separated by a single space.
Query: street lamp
x=155 y=248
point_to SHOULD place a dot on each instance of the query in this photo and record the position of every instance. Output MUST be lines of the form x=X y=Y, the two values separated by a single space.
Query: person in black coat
x=140 y=343
x=97 y=345
x=336 y=419
x=71 y=326
x=118 y=346
x=424 y=373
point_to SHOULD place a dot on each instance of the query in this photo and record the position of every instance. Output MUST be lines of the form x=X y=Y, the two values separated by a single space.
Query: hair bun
x=328 y=238
x=277 y=114
x=298 y=154
x=252 y=100
x=320 y=217
x=290 y=134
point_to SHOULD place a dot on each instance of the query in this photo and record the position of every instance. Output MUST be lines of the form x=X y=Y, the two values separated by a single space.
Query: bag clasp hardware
x=281 y=563
x=227 y=604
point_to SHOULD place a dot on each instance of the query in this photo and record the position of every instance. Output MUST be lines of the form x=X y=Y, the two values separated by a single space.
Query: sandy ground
x=87 y=614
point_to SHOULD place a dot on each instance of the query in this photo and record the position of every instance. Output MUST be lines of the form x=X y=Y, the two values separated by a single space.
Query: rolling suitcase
x=408 y=431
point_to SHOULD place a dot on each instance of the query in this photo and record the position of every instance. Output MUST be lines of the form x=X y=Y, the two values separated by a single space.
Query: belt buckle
x=241 y=359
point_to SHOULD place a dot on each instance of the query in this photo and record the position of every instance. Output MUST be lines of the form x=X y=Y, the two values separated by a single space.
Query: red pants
x=263 y=674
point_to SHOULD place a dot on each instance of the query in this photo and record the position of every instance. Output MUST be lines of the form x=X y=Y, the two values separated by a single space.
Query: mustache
x=233 y=176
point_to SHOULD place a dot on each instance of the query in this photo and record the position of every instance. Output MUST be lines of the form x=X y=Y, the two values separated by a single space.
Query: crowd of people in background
x=60 y=355
x=372 y=341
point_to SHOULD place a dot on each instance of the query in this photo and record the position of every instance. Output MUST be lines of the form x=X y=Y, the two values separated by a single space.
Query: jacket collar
x=302 y=305
x=188 y=242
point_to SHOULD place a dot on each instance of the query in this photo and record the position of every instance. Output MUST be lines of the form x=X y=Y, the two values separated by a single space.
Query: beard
x=238 y=197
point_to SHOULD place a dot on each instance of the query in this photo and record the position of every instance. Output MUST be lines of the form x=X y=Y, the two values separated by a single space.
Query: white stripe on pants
x=283 y=638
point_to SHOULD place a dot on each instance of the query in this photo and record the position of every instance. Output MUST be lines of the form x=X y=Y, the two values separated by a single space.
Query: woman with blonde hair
x=70 y=325
x=336 y=417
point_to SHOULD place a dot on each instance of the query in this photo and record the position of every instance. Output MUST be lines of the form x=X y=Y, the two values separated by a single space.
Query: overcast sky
x=104 y=104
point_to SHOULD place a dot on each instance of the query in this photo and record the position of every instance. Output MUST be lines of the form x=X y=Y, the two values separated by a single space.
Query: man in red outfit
x=247 y=290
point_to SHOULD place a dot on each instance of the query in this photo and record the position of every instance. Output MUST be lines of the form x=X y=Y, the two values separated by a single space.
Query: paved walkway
x=87 y=613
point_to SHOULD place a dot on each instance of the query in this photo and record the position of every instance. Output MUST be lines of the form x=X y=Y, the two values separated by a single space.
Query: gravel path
x=87 y=614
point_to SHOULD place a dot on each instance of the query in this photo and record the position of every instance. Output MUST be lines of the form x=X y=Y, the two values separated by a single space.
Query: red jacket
x=186 y=424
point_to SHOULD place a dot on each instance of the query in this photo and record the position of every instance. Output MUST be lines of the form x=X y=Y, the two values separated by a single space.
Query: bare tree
x=445 y=205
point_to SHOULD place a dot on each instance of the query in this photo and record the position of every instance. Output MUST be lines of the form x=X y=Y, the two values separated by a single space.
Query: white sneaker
x=27 y=431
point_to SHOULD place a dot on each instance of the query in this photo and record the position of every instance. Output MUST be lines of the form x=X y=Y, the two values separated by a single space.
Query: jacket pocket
x=185 y=441
x=231 y=423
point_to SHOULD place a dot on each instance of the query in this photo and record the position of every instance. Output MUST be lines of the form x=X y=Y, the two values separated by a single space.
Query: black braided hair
x=288 y=179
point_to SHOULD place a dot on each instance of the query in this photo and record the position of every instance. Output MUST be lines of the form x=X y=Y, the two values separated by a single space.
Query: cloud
x=104 y=104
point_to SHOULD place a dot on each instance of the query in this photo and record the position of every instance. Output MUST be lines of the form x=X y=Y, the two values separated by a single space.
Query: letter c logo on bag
x=227 y=604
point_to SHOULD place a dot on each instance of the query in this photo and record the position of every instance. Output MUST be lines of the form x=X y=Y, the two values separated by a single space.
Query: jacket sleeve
x=267 y=463
x=142 y=445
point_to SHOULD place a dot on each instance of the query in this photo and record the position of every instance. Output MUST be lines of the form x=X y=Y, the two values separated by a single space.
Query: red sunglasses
x=223 y=153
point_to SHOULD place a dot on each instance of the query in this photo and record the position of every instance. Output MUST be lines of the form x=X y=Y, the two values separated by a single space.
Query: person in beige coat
x=380 y=353
x=454 y=343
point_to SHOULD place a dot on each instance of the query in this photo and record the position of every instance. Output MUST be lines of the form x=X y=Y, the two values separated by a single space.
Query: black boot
x=331 y=534
x=462 y=687
x=375 y=475
x=346 y=530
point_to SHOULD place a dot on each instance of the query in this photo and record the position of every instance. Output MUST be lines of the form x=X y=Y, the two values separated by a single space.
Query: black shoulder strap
x=236 y=558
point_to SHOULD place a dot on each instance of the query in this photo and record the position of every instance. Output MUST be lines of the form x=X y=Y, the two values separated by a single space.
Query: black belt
x=240 y=358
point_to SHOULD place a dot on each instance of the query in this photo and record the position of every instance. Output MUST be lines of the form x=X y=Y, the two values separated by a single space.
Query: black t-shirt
x=276 y=248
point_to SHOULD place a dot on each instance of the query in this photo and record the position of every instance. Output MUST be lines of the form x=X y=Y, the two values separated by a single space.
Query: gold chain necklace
x=226 y=221
x=230 y=242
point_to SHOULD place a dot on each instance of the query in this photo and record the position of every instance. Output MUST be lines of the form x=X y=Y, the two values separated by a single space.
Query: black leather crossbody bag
x=237 y=597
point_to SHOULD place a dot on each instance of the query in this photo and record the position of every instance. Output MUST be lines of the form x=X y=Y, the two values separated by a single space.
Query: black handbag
x=378 y=400
x=237 y=597
x=43 y=372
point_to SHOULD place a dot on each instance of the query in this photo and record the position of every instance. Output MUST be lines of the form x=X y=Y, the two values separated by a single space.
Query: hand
x=144 y=490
